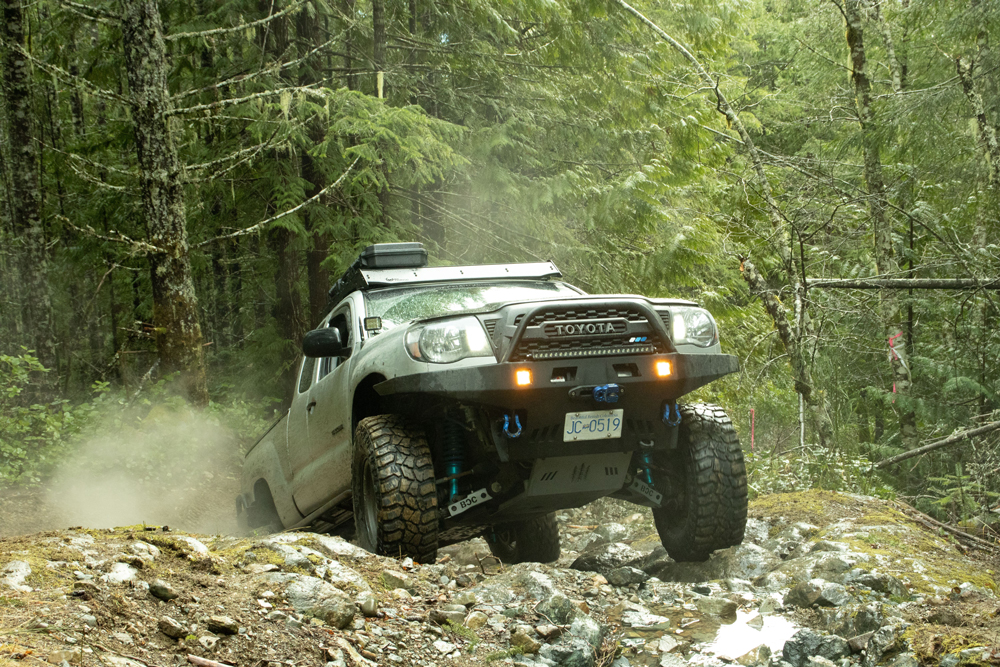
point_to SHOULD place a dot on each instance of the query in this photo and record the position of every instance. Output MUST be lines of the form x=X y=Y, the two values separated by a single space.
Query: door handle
x=310 y=406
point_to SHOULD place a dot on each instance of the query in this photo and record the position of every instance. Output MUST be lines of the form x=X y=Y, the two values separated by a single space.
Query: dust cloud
x=173 y=467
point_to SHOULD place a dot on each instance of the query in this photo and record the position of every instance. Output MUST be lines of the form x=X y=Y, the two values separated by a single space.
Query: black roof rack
x=387 y=264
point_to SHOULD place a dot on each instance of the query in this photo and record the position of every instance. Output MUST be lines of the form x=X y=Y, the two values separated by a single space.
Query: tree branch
x=138 y=247
x=904 y=283
x=264 y=223
x=938 y=444
x=242 y=26
x=239 y=100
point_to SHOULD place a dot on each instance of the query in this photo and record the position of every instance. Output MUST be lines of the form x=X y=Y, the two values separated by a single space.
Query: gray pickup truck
x=436 y=404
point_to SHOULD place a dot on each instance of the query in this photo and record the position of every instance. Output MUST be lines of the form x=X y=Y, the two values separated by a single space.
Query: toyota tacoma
x=436 y=404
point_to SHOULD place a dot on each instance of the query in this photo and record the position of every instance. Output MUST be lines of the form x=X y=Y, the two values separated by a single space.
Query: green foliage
x=33 y=435
x=813 y=467
x=465 y=633
x=959 y=497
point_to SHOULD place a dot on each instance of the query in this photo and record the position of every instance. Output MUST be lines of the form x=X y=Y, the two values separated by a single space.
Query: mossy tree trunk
x=892 y=314
x=25 y=184
x=175 y=305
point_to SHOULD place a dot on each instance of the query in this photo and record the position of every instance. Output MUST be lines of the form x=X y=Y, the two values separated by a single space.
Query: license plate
x=593 y=425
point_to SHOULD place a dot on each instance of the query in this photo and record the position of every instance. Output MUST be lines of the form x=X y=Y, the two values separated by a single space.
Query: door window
x=306 y=374
x=342 y=321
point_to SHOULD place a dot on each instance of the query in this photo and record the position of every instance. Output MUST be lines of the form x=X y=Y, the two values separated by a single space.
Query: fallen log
x=938 y=444
x=903 y=283
x=931 y=522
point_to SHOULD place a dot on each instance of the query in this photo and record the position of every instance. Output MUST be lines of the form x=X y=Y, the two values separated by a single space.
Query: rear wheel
x=260 y=516
x=395 y=497
x=530 y=541
x=705 y=484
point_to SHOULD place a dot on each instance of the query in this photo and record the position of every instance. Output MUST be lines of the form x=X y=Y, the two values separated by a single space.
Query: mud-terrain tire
x=395 y=496
x=531 y=541
x=705 y=481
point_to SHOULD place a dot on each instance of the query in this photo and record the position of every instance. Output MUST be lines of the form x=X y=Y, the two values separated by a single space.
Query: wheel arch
x=366 y=401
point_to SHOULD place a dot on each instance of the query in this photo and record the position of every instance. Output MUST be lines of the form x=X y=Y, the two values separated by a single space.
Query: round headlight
x=448 y=341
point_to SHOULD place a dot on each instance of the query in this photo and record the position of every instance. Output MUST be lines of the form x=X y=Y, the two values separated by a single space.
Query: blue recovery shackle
x=672 y=419
x=506 y=426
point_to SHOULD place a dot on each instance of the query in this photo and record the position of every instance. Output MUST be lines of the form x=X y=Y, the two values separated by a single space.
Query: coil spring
x=453 y=451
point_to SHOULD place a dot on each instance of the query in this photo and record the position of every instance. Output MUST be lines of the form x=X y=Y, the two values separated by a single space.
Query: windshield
x=399 y=305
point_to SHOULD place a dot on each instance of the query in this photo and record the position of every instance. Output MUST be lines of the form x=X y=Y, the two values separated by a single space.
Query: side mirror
x=324 y=343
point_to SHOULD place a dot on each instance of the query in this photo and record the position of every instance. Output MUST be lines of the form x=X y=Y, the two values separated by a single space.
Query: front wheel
x=530 y=541
x=395 y=496
x=705 y=481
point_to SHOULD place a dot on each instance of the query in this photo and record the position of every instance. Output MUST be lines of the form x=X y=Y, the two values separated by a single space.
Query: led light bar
x=597 y=352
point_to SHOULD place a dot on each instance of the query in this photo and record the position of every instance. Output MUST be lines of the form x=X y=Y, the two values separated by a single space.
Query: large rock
x=587 y=628
x=569 y=652
x=14 y=575
x=818 y=592
x=522 y=640
x=718 y=607
x=191 y=546
x=120 y=573
x=291 y=556
x=626 y=575
x=536 y=585
x=606 y=557
x=171 y=628
x=835 y=566
x=163 y=590
x=806 y=643
x=338 y=547
x=314 y=597
x=145 y=551
x=343 y=577
x=558 y=608
x=853 y=620
x=611 y=532
x=881 y=641
x=395 y=579
x=883 y=583
x=746 y=561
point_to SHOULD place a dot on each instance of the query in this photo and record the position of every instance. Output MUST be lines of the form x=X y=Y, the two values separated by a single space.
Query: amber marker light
x=662 y=369
x=523 y=377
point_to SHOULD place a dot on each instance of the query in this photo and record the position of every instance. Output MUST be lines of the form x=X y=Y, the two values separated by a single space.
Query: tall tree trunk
x=348 y=11
x=892 y=314
x=26 y=188
x=378 y=59
x=175 y=304
x=987 y=132
x=288 y=302
x=782 y=245
x=317 y=277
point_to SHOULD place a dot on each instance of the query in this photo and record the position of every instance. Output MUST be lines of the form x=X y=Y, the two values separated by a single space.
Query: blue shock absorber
x=453 y=451
x=647 y=460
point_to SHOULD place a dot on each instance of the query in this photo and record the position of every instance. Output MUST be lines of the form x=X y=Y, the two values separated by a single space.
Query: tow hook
x=608 y=393
x=506 y=426
x=672 y=420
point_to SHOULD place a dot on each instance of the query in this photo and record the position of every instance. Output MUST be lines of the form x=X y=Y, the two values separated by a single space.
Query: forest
x=181 y=183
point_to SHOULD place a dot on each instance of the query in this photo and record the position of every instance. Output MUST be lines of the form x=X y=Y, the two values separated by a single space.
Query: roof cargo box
x=393 y=256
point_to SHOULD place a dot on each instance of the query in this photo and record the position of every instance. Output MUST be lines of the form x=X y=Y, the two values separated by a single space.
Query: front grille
x=579 y=331
x=562 y=315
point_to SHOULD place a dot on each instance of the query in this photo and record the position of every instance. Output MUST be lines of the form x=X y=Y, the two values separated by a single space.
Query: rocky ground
x=821 y=579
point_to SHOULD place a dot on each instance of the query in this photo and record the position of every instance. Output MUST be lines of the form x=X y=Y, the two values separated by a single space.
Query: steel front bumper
x=542 y=405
